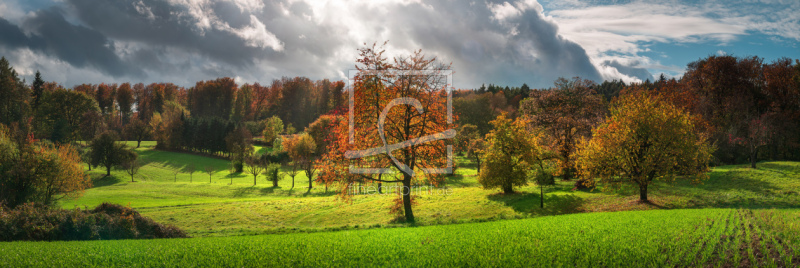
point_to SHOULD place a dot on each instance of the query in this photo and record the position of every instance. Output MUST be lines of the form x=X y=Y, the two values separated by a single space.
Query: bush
x=33 y=222
x=275 y=157
x=238 y=166
x=273 y=173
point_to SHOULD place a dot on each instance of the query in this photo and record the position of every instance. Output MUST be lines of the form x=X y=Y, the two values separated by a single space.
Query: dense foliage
x=32 y=222
x=38 y=171
x=512 y=155
x=644 y=139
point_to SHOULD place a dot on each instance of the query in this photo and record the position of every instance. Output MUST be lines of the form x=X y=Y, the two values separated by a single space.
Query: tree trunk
x=407 y=198
x=132 y=178
x=478 y=161
x=643 y=193
x=108 y=170
x=292 y=183
x=507 y=189
x=254 y=179
x=541 y=196
x=138 y=143
x=753 y=156
x=274 y=183
x=309 y=184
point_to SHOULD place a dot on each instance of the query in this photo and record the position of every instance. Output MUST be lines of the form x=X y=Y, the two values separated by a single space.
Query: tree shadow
x=105 y=181
x=554 y=204
x=319 y=193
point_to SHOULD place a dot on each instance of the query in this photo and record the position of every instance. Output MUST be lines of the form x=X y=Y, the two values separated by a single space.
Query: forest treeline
x=752 y=108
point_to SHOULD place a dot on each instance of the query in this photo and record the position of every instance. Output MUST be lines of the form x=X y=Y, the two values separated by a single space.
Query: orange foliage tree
x=394 y=104
x=566 y=113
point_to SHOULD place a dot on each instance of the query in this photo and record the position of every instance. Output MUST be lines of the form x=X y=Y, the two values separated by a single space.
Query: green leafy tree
x=466 y=134
x=131 y=167
x=14 y=95
x=65 y=109
x=254 y=166
x=645 y=139
x=272 y=172
x=137 y=130
x=108 y=152
x=273 y=128
x=510 y=155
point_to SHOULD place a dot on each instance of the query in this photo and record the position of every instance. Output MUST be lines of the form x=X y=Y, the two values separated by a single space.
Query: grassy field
x=657 y=238
x=739 y=217
x=220 y=208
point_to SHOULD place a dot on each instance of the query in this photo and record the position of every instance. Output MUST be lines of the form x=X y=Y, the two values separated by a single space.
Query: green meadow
x=738 y=217
x=657 y=238
x=229 y=204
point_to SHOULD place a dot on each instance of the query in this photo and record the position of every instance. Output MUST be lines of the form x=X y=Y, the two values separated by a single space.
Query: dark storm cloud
x=184 y=41
x=158 y=23
x=79 y=46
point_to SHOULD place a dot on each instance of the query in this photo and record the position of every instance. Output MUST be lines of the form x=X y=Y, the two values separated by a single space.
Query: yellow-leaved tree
x=645 y=139
x=512 y=156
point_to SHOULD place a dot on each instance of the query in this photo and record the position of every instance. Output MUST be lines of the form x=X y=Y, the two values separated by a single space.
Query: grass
x=698 y=237
x=738 y=217
x=220 y=208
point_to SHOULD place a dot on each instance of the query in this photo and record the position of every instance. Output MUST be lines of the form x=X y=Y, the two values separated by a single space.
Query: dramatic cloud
x=502 y=42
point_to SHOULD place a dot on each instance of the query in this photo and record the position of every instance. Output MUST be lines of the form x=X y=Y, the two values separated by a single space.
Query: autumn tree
x=645 y=139
x=393 y=103
x=38 y=172
x=567 y=113
x=125 y=100
x=730 y=96
x=319 y=130
x=303 y=151
x=511 y=153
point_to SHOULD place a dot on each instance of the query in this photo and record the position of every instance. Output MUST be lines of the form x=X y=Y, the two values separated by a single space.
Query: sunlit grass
x=219 y=208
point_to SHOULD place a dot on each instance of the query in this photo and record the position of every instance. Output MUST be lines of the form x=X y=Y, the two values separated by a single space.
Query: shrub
x=275 y=157
x=33 y=222
x=273 y=174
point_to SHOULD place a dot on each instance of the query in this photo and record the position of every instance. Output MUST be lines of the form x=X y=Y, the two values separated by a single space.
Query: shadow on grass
x=554 y=204
x=182 y=161
x=105 y=181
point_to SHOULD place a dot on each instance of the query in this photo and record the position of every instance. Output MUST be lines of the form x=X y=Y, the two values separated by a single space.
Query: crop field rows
x=664 y=238
x=737 y=238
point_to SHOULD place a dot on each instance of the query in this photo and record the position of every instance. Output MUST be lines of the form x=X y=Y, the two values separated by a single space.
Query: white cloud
x=256 y=35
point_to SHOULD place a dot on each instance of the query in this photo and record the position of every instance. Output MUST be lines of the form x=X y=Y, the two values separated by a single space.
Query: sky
x=501 y=42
